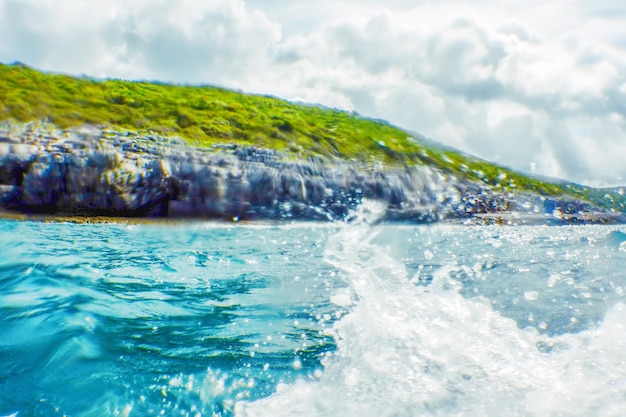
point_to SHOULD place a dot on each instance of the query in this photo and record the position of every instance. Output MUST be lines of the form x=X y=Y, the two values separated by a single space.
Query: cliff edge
x=94 y=171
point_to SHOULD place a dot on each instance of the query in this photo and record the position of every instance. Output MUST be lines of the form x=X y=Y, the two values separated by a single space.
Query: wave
x=409 y=350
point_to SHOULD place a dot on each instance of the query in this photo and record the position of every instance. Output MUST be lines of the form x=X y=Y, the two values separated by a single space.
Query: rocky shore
x=99 y=172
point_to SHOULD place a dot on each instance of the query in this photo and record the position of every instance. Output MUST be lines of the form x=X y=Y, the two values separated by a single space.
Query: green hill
x=206 y=115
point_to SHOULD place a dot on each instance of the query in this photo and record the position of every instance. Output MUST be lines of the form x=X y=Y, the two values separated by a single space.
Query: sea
x=354 y=318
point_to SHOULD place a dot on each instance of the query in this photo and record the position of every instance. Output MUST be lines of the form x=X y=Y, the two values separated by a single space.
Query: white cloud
x=526 y=83
x=184 y=41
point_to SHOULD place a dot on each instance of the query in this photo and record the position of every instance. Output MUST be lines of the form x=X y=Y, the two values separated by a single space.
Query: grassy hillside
x=205 y=115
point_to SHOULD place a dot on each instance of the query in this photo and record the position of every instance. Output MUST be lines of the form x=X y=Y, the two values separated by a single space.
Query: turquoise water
x=210 y=319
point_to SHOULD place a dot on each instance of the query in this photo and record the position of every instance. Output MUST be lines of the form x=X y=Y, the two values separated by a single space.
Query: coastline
x=97 y=175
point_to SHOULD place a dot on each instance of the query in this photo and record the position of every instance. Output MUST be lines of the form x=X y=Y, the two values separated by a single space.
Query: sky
x=537 y=86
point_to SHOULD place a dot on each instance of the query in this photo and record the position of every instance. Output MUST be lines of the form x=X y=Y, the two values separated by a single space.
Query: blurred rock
x=99 y=172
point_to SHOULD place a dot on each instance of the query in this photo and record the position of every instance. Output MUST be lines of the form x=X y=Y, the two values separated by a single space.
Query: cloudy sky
x=535 y=85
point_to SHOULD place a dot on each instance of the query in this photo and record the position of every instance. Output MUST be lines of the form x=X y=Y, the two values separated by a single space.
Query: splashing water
x=408 y=350
x=359 y=319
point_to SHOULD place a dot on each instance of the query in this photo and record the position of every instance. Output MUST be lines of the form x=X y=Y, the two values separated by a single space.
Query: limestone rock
x=95 y=171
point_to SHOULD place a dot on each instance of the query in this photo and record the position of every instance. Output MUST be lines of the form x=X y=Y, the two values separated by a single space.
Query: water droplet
x=552 y=281
x=531 y=295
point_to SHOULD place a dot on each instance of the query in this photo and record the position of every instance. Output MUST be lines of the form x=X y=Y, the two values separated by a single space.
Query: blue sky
x=537 y=86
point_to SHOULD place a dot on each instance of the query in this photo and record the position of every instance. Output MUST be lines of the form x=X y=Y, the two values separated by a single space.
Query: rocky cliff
x=95 y=171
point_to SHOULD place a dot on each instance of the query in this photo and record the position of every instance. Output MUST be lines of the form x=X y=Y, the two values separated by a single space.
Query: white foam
x=407 y=350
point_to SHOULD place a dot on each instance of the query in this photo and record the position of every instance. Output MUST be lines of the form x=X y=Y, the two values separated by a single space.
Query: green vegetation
x=205 y=116
x=202 y=115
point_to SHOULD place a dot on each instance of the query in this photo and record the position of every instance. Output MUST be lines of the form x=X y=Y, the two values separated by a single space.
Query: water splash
x=220 y=320
x=407 y=350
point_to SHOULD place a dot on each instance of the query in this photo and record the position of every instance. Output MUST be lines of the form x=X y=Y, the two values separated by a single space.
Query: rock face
x=92 y=171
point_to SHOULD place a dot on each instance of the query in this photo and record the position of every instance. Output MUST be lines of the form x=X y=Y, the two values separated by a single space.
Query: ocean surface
x=305 y=319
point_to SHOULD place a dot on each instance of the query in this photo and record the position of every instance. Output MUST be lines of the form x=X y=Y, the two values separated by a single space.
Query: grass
x=202 y=115
x=206 y=115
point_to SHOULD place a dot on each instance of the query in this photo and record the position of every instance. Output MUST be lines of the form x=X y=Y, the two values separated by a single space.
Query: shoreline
x=95 y=175
x=502 y=219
